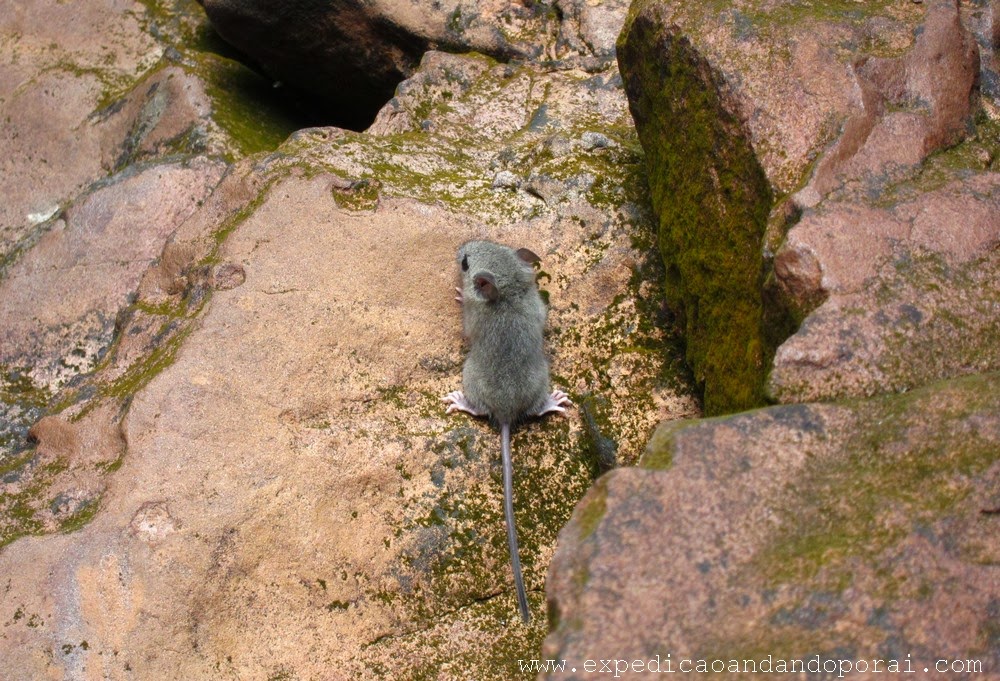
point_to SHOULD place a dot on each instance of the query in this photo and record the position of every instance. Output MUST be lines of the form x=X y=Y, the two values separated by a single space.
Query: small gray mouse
x=506 y=375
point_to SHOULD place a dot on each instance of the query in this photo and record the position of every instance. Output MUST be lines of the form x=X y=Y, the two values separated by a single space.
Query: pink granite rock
x=292 y=500
x=69 y=111
x=59 y=301
x=910 y=106
x=876 y=143
x=847 y=532
x=350 y=56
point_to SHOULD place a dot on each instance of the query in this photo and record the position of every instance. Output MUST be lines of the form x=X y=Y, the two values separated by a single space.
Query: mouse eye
x=465 y=263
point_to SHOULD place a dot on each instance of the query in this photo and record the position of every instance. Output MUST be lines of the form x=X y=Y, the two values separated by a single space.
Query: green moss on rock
x=591 y=509
x=360 y=196
x=243 y=104
x=659 y=454
x=80 y=518
x=712 y=199
x=898 y=469
x=597 y=431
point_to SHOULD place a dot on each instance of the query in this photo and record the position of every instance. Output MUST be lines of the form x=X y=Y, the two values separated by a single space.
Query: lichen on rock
x=816 y=125
x=791 y=532
x=712 y=199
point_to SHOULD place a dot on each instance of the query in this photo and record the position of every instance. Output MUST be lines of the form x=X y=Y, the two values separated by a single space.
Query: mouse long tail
x=508 y=509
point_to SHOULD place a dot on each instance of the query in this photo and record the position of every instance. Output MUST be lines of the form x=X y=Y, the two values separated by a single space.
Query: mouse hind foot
x=457 y=401
x=556 y=402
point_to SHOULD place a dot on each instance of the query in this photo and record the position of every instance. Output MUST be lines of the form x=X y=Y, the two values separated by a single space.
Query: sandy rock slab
x=855 y=531
x=81 y=123
x=293 y=500
x=62 y=304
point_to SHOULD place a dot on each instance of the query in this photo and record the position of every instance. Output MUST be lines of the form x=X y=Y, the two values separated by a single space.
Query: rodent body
x=506 y=374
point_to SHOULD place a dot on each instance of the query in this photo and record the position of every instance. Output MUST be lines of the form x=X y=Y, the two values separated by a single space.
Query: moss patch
x=713 y=200
x=81 y=517
x=495 y=645
x=911 y=460
x=362 y=195
x=21 y=404
x=456 y=534
x=659 y=454
x=254 y=114
x=244 y=104
x=591 y=510
x=874 y=522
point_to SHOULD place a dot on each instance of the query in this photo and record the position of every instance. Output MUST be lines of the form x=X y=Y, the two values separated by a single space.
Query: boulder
x=77 y=116
x=60 y=300
x=250 y=460
x=75 y=112
x=907 y=293
x=799 y=534
x=775 y=140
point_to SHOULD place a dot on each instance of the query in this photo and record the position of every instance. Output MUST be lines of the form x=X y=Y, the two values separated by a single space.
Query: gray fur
x=506 y=374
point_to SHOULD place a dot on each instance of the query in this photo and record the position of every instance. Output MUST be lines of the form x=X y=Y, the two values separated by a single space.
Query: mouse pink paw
x=556 y=402
x=456 y=402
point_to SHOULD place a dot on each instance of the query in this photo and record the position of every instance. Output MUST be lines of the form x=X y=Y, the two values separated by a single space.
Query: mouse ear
x=527 y=256
x=486 y=285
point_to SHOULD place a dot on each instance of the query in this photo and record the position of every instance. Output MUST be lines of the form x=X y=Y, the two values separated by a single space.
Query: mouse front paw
x=456 y=402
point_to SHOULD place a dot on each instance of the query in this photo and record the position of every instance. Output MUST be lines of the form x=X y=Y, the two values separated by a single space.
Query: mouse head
x=491 y=271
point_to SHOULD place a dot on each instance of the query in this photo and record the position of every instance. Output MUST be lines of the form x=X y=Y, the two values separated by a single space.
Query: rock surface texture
x=225 y=333
x=847 y=533
x=351 y=54
x=846 y=265
x=222 y=356
x=823 y=132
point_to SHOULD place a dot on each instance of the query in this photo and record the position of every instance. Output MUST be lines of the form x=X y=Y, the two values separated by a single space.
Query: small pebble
x=506 y=180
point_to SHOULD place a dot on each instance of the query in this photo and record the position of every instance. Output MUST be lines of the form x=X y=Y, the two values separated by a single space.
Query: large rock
x=843 y=532
x=108 y=147
x=896 y=259
x=798 y=170
x=74 y=113
x=908 y=293
x=76 y=110
x=279 y=491
x=984 y=20
x=756 y=123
